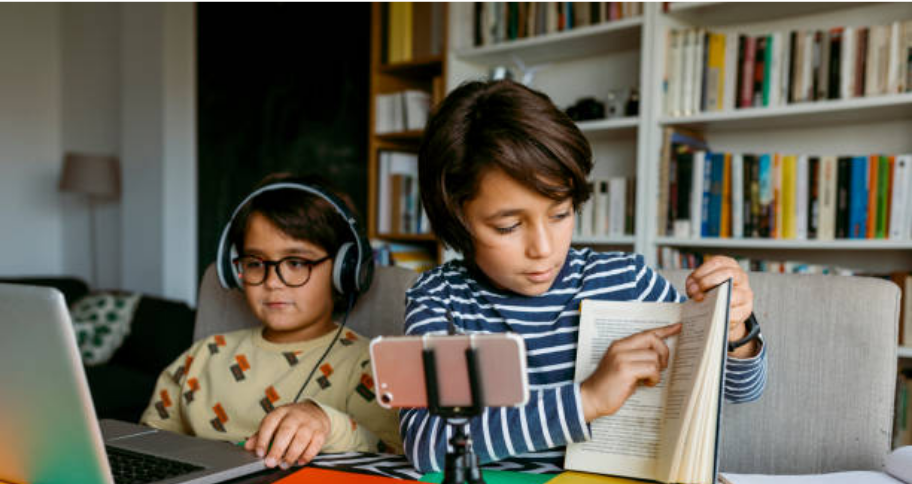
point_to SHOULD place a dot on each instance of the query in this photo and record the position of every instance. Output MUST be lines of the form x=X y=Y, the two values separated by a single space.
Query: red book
x=747 y=69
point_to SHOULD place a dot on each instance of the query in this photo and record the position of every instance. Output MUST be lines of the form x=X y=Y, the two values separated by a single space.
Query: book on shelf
x=609 y=210
x=668 y=432
x=416 y=257
x=497 y=22
x=708 y=71
x=398 y=206
x=411 y=31
x=401 y=111
x=781 y=195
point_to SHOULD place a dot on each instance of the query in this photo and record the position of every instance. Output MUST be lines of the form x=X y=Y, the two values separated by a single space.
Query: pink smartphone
x=399 y=369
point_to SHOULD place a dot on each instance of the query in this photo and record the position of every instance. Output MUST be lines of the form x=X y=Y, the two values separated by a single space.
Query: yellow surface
x=584 y=478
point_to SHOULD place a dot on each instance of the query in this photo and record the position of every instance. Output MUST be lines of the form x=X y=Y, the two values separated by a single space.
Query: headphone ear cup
x=344 y=268
x=235 y=276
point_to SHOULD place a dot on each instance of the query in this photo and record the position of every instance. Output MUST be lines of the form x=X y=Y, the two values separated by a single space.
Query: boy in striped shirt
x=502 y=172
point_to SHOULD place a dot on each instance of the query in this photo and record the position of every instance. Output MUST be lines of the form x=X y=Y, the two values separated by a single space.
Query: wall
x=30 y=212
x=106 y=78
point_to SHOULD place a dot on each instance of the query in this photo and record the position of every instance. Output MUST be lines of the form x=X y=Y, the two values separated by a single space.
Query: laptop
x=48 y=430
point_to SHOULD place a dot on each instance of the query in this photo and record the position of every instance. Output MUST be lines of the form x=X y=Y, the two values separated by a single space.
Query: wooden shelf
x=603 y=38
x=850 y=111
x=402 y=136
x=751 y=243
x=605 y=240
x=729 y=13
x=429 y=67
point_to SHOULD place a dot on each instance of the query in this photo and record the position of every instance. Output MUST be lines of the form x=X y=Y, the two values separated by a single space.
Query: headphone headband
x=352 y=270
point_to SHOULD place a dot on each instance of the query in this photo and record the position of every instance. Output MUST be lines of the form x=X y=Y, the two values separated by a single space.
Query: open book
x=670 y=432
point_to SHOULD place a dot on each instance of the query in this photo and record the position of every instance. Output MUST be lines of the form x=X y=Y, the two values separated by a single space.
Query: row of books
x=783 y=196
x=497 y=22
x=399 y=209
x=416 y=257
x=610 y=209
x=902 y=423
x=401 y=111
x=672 y=258
x=712 y=71
x=411 y=31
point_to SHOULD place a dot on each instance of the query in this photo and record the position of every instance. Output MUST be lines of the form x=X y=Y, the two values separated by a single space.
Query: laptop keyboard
x=135 y=468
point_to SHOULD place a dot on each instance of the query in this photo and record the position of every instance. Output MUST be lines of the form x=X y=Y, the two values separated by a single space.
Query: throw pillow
x=101 y=321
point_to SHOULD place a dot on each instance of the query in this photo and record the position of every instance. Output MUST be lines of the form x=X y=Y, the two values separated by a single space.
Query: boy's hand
x=637 y=358
x=714 y=271
x=296 y=432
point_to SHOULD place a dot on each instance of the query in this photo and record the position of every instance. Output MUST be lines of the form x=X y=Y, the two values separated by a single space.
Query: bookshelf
x=586 y=61
x=416 y=72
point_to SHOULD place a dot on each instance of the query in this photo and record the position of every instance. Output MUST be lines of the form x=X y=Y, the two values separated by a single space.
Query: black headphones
x=353 y=265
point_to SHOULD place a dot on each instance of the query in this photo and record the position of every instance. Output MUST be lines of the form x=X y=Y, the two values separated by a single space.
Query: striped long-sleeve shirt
x=549 y=325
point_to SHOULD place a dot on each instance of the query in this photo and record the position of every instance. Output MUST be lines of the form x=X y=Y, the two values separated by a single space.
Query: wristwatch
x=753 y=332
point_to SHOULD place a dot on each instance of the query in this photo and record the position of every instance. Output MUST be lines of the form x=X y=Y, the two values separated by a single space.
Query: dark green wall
x=282 y=87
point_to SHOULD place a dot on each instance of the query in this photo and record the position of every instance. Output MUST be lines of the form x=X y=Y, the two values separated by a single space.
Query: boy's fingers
x=250 y=443
x=313 y=448
x=267 y=428
x=298 y=446
x=666 y=331
x=280 y=441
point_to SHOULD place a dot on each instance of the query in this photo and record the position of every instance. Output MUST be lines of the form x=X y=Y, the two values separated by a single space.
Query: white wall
x=91 y=124
x=30 y=216
x=101 y=78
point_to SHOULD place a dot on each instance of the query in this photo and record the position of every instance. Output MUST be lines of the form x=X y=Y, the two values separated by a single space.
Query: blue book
x=858 y=198
x=704 y=206
x=715 y=197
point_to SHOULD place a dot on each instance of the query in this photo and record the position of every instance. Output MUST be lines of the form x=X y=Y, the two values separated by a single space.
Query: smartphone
x=399 y=369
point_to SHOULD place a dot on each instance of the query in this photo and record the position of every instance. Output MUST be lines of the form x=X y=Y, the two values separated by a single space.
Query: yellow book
x=776 y=176
x=399 y=41
x=789 y=177
x=725 y=230
x=715 y=72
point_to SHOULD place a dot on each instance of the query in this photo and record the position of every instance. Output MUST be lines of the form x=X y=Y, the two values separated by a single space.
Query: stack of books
x=402 y=111
x=497 y=22
x=708 y=71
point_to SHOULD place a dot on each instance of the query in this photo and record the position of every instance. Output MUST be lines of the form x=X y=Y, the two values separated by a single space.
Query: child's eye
x=295 y=263
x=561 y=216
x=506 y=230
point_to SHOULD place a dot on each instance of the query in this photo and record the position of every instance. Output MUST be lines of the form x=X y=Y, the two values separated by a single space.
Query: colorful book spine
x=883 y=200
x=788 y=191
x=871 y=220
x=766 y=195
x=858 y=198
x=843 y=188
x=725 y=214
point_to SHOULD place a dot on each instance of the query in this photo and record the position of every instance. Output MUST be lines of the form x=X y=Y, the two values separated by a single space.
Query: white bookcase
x=589 y=61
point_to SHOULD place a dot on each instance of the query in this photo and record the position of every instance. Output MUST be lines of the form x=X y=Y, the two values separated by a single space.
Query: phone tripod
x=462 y=463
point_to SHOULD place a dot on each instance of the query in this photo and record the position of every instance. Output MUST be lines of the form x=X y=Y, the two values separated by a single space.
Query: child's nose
x=539 y=244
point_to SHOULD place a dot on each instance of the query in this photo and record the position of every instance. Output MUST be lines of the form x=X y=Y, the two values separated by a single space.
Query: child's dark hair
x=497 y=125
x=300 y=215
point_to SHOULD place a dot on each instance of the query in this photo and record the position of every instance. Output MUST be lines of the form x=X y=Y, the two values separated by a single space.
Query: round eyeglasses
x=292 y=271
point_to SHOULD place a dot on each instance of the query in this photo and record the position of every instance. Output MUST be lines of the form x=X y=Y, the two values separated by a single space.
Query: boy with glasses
x=277 y=387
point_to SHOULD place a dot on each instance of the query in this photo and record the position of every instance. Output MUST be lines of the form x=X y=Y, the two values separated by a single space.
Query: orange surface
x=309 y=475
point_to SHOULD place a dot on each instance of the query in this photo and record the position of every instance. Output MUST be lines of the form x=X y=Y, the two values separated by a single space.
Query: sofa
x=160 y=331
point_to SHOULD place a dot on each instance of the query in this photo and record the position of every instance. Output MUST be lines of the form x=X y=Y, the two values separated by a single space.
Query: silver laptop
x=48 y=430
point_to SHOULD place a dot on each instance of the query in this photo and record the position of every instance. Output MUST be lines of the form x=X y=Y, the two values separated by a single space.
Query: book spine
x=705 y=222
x=883 y=187
x=843 y=187
x=827 y=191
x=725 y=216
x=823 y=72
x=901 y=188
x=871 y=219
x=768 y=70
x=847 y=64
x=858 y=198
x=813 y=198
x=715 y=201
x=747 y=72
x=737 y=196
x=789 y=174
x=801 y=198
x=766 y=195
x=754 y=190
x=729 y=71
x=696 y=194
x=759 y=70
x=617 y=188
x=776 y=226
x=835 y=61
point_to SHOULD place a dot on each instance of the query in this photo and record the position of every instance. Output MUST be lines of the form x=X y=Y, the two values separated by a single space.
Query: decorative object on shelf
x=632 y=108
x=586 y=109
x=98 y=178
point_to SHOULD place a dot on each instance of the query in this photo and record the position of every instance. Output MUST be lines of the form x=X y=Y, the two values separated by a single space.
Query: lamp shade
x=94 y=175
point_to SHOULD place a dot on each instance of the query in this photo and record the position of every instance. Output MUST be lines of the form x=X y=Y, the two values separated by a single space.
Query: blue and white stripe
x=548 y=323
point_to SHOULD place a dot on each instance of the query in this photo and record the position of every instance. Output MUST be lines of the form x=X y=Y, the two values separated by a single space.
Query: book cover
x=760 y=71
x=827 y=191
x=652 y=434
x=705 y=204
x=716 y=183
x=858 y=198
x=698 y=217
x=834 y=82
x=776 y=228
x=752 y=183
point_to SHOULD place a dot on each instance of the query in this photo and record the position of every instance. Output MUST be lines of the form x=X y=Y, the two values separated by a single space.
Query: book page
x=626 y=443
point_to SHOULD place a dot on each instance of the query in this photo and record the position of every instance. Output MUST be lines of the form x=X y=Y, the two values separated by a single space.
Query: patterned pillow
x=102 y=321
